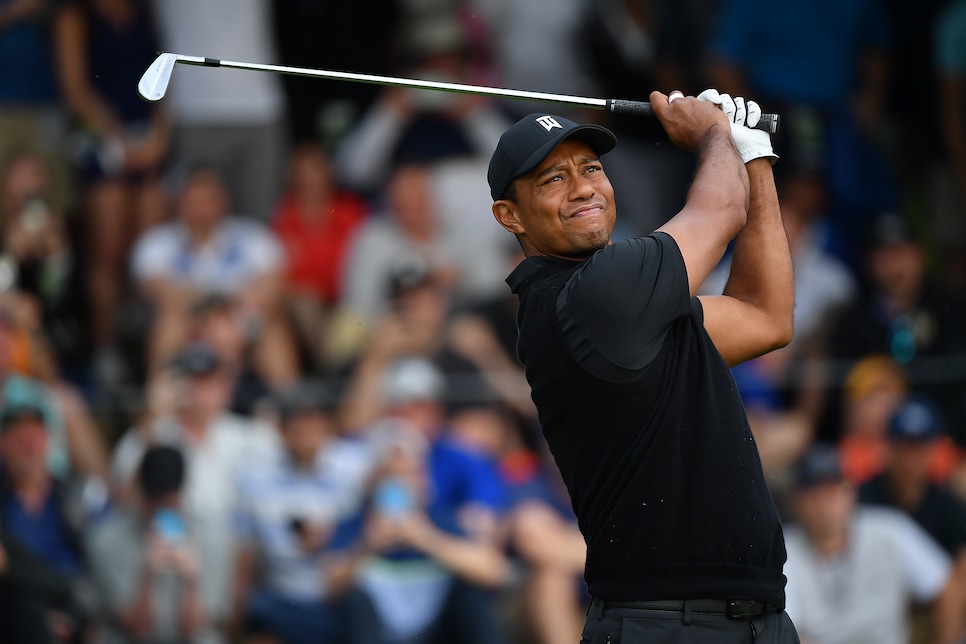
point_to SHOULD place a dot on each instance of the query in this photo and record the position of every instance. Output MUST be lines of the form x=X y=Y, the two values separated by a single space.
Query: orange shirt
x=866 y=456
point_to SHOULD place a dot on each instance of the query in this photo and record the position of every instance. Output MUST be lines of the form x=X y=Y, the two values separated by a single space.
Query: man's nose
x=583 y=187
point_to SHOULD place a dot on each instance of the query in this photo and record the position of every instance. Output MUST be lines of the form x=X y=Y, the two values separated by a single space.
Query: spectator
x=219 y=321
x=632 y=47
x=103 y=47
x=147 y=565
x=874 y=389
x=950 y=61
x=533 y=46
x=916 y=441
x=315 y=221
x=540 y=527
x=43 y=273
x=852 y=570
x=832 y=99
x=904 y=313
x=74 y=443
x=327 y=36
x=31 y=118
x=206 y=250
x=187 y=409
x=289 y=507
x=232 y=120
x=420 y=126
x=450 y=135
x=425 y=556
x=408 y=233
x=38 y=528
x=414 y=325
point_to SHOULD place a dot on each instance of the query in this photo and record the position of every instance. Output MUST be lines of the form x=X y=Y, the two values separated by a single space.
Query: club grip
x=767 y=122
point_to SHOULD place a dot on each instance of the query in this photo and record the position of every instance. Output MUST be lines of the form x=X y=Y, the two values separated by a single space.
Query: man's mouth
x=588 y=210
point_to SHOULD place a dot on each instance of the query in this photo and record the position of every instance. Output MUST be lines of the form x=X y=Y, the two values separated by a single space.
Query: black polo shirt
x=647 y=428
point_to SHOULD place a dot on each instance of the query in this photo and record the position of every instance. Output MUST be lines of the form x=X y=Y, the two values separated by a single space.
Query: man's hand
x=743 y=116
x=687 y=121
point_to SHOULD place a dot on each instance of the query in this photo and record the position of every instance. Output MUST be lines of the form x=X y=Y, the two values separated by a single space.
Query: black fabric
x=939 y=513
x=647 y=278
x=662 y=469
x=629 y=626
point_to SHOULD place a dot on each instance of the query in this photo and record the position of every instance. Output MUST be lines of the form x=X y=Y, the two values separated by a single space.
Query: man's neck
x=32 y=492
x=830 y=545
x=907 y=494
x=201 y=235
x=196 y=424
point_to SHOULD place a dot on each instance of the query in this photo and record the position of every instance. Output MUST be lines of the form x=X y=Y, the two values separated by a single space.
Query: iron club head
x=154 y=81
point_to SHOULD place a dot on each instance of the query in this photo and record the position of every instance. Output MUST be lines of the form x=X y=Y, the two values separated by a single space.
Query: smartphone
x=394 y=498
x=169 y=525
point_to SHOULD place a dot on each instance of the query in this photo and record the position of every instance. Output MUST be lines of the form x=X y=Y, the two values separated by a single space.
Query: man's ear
x=505 y=213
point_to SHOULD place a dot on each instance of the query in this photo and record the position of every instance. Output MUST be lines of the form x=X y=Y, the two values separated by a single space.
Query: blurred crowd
x=257 y=358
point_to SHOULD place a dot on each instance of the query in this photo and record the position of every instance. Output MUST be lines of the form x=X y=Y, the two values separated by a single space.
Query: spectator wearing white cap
x=423 y=560
x=186 y=408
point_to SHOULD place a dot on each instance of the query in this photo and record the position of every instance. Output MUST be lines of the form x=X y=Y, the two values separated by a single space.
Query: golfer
x=630 y=371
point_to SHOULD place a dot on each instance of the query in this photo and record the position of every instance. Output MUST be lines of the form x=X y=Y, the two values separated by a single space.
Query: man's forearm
x=761 y=266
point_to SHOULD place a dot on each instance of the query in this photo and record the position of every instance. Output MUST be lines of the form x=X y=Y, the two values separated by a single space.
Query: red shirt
x=316 y=246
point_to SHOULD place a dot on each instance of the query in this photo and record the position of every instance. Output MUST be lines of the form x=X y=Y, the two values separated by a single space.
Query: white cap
x=410 y=379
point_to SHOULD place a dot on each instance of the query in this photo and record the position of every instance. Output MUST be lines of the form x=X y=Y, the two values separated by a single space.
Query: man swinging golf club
x=630 y=371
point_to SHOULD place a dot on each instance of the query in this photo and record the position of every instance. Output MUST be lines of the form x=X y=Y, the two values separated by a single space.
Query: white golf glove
x=744 y=116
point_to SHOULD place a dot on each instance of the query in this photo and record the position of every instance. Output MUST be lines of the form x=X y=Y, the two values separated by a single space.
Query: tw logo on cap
x=548 y=122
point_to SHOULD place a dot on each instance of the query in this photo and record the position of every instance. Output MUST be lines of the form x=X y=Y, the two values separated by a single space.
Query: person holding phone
x=146 y=565
x=420 y=563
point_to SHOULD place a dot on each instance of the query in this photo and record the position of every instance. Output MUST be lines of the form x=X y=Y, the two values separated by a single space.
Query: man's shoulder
x=238 y=429
x=878 y=522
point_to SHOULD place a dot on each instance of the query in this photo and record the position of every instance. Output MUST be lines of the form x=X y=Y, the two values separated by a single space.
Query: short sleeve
x=153 y=254
x=926 y=566
x=619 y=304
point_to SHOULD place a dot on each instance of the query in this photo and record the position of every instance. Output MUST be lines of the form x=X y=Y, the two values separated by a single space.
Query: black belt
x=732 y=608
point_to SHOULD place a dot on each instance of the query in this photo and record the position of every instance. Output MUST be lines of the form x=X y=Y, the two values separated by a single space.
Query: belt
x=732 y=608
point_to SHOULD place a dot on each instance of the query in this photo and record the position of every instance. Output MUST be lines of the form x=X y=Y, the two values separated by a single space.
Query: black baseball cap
x=528 y=142
x=302 y=399
x=888 y=229
x=197 y=359
x=821 y=463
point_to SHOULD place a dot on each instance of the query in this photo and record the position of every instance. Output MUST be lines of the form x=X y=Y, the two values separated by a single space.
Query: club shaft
x=768 y=122
x=597 y=103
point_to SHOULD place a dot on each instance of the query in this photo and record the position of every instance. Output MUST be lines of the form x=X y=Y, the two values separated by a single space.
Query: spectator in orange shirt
x=314 y=220
x=875 y=389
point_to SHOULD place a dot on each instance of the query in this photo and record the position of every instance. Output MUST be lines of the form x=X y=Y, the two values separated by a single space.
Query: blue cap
x=531 y=139
x=915 y=420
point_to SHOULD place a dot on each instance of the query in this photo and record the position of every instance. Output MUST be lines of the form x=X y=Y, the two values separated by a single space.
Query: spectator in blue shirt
x=823 y=65
x=289 y=506
x=424 y=556
x=40 y=542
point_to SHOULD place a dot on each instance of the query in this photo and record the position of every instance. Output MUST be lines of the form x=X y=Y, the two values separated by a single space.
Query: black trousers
x=637 y=626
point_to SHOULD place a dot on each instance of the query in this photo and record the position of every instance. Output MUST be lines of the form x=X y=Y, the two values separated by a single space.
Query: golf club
x=154 y=84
